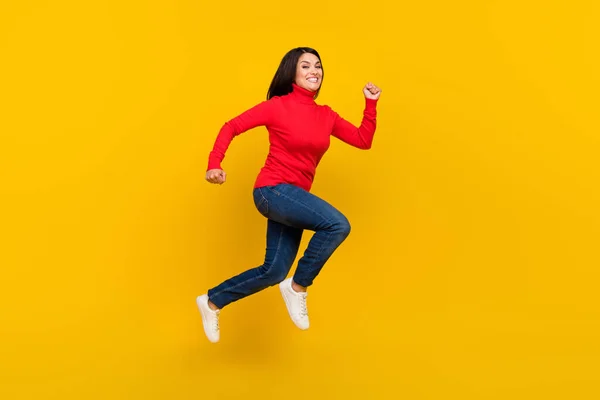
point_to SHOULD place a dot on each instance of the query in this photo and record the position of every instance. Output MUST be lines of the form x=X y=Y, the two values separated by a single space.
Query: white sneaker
x=210 y=318
x=296 y=303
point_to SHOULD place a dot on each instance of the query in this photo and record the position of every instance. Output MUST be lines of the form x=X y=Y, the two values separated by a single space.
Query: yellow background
x=472 y=268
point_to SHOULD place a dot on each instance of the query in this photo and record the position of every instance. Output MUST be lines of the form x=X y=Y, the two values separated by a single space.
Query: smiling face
x=308 y=72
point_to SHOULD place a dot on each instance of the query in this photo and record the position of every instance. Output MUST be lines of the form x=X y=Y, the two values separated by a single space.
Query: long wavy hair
x=286 y=73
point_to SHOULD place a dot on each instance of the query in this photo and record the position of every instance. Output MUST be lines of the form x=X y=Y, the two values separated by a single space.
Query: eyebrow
x=303 y=61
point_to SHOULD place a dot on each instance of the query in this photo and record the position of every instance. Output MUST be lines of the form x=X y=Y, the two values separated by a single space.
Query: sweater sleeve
x=361 y=137
x=258 y=115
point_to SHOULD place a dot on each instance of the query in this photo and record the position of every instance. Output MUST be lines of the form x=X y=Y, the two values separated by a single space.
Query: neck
x=303 y=95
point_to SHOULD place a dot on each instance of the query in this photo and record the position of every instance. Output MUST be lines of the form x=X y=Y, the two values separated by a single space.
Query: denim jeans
x=289 y=210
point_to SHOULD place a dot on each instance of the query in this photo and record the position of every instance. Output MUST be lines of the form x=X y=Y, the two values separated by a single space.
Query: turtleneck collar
x=302 y=95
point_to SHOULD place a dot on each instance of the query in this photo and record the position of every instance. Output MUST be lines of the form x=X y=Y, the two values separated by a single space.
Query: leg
x=282 y=247
x=296 y=207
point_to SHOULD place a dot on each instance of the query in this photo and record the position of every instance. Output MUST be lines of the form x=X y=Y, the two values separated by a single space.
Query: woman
x=299 y=134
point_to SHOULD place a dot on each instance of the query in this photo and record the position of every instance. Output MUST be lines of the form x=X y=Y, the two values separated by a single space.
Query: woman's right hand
x=216 y=176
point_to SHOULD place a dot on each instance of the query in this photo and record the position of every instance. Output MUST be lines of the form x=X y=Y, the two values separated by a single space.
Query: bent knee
x=342 y=226
x=272 y=274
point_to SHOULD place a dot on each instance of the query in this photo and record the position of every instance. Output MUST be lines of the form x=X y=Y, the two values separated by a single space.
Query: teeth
x=312 y=80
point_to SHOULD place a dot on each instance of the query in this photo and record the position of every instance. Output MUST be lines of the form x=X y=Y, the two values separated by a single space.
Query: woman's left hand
x=371 y=91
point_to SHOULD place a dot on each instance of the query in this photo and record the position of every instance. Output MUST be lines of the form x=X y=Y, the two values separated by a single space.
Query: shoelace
x=303 y=309
x=216 y=322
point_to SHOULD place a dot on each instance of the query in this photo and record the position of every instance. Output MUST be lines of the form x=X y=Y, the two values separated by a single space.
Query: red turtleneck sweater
x=299 y=132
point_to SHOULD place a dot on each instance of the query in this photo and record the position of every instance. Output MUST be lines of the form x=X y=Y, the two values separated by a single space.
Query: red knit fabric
x=299 y=132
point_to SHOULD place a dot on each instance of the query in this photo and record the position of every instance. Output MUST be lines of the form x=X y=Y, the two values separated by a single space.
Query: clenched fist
x=371 y=91
x=216 y=176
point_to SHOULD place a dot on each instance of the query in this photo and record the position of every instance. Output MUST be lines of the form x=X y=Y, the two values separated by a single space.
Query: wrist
x=371 y=103
x=213 y=165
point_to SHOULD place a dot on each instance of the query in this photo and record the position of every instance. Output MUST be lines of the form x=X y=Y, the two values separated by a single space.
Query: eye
x=318 y=66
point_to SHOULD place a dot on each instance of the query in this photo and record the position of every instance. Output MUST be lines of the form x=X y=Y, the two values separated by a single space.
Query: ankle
x=297 y=288
x=212 y=306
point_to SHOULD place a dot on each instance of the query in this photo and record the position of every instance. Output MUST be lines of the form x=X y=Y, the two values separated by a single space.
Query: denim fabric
x=289 y=211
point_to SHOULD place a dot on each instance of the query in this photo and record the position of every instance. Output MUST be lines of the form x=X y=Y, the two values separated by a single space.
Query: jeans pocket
x=261 y=203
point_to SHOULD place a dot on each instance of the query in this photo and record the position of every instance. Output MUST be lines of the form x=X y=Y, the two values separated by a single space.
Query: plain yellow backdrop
x=472 y=268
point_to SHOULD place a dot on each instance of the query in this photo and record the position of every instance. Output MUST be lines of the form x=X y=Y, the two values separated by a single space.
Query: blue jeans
x=289 y=210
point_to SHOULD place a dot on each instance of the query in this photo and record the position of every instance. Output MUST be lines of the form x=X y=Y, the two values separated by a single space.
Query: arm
x=361 y=137
x=258 y=115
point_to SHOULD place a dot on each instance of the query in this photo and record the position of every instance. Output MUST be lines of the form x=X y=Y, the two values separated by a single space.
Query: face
x=308 y=72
